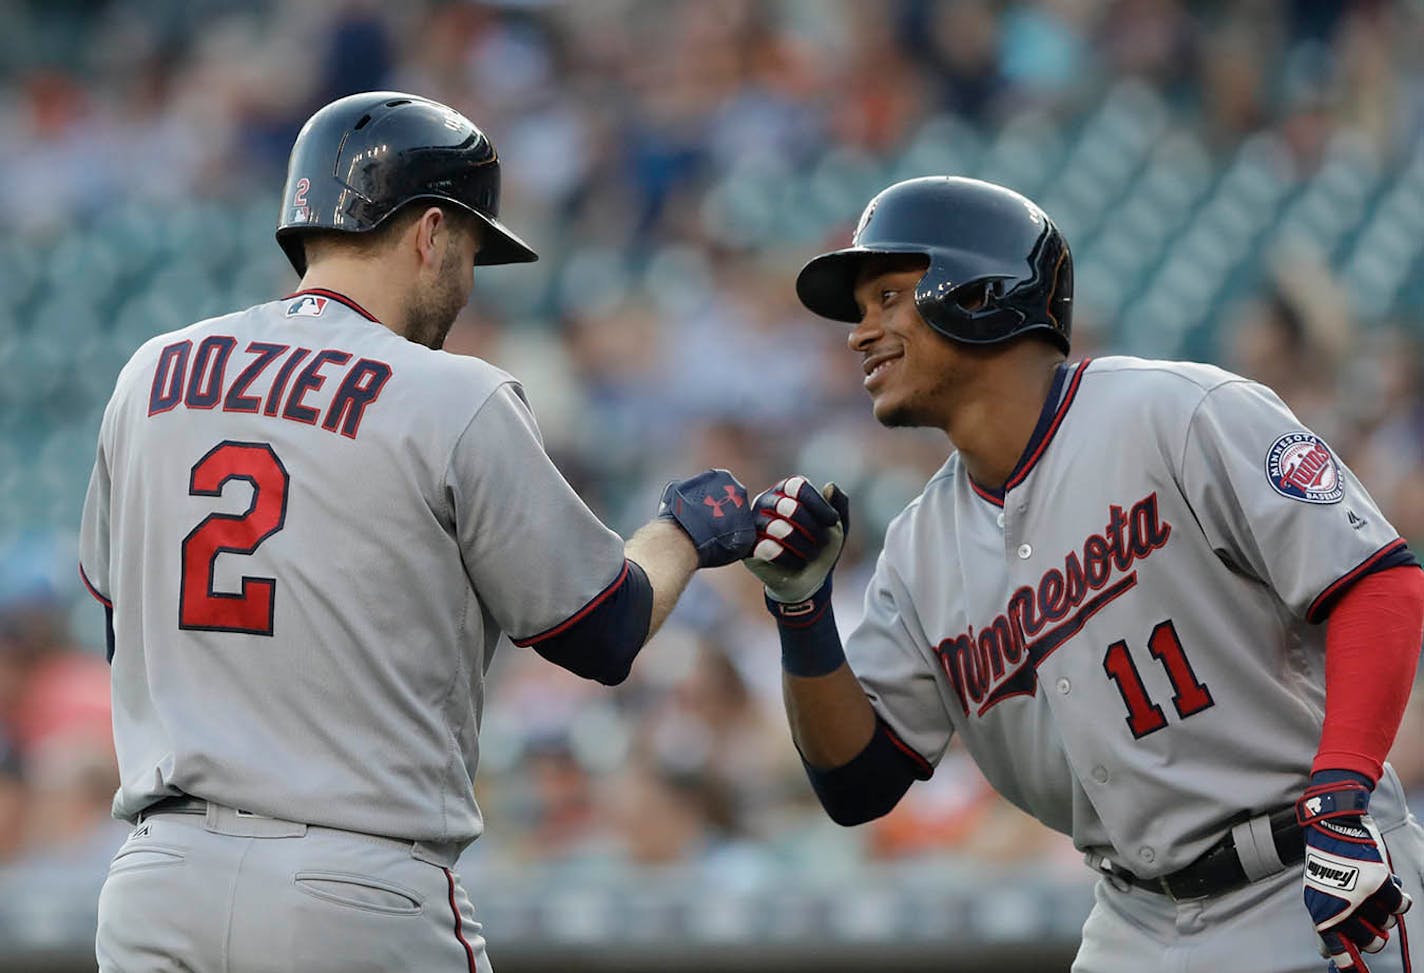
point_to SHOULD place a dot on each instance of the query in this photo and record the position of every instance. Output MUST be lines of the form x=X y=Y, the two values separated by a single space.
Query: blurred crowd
x=659 y=334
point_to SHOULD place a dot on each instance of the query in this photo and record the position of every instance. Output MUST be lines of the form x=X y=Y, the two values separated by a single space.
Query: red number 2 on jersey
x=199 y=606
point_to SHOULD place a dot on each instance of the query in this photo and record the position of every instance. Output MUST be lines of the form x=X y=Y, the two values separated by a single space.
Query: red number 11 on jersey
x=1189 y=696
x=250 y=611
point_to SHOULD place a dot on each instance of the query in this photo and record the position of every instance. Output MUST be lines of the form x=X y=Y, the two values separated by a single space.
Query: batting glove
x=1352 y=896
x=799 y=536
x=712 y=509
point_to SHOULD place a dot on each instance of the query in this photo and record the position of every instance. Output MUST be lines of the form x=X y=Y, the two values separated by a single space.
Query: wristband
x=810 y=644
x=1323 y=777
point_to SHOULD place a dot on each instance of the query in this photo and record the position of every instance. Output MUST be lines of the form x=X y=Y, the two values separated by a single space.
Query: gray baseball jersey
x=1123 y=636
x=311 y=533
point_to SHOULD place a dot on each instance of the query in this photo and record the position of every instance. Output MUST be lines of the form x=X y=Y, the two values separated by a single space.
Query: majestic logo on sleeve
x=1300 y=466
x=1001 y=659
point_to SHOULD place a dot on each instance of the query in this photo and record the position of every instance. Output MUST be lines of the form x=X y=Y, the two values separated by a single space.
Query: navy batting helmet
x=362 y=157
x=974 y=233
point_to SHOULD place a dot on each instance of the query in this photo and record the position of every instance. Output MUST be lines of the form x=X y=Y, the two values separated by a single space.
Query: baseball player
x=310 y=527
x=1161 y=614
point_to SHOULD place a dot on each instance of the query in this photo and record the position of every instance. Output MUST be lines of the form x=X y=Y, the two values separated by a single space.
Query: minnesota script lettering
x=1001 y=659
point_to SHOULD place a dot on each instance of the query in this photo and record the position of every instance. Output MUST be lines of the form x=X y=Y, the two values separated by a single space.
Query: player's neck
x=363 y=283
x=993 y=423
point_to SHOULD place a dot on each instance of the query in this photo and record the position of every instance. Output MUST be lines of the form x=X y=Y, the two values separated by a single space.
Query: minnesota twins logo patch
x=1300 y=466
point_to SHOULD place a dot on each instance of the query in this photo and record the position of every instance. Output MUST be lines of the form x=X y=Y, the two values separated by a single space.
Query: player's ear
x=429 y=235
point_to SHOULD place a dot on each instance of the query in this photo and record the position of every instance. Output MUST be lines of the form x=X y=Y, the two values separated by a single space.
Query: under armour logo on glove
x=1352 y=896
x=712 y=509
x=734 y=498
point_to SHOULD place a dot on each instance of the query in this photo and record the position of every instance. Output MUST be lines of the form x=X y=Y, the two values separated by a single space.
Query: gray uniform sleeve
x=885 y=652
x=1276 y=503
x=536 y=555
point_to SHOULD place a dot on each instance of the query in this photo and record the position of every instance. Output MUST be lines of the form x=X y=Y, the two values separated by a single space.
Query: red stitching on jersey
x=598 y=599
x=906 y=749
x=459 y=927
x=1351 y=576
x=340 y=298
x=93 y=590
x=993 y=498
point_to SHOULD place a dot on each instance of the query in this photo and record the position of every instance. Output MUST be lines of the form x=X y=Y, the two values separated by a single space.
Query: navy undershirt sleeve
x=604 y=641
x=870 y=784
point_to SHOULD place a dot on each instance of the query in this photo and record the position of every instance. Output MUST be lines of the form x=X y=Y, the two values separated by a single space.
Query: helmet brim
x=500 y=245
x=826 y=285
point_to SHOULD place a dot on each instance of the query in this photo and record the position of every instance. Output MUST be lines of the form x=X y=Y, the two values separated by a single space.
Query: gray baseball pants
x=223 y=891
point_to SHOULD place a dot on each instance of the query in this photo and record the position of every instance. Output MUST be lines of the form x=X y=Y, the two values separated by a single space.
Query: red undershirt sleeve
x=1372 y=643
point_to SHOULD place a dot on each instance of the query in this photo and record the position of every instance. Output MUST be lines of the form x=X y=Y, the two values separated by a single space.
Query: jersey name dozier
x=1000 y=661
x=276 y=380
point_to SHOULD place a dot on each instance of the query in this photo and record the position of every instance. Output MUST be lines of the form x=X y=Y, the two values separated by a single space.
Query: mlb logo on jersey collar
x=306 y=306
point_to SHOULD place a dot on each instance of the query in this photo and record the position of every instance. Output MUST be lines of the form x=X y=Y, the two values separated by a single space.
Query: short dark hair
x=317 y=242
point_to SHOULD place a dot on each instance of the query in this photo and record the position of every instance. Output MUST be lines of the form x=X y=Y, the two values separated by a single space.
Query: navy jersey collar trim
x=1055 y=408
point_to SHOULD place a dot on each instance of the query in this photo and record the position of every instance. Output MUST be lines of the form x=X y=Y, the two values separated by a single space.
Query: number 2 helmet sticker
x=1300 y=466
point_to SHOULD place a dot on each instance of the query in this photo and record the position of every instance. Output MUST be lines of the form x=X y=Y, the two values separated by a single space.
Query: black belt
x=1218 y=870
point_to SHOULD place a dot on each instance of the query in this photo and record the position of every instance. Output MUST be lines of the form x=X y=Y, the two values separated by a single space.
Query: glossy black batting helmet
x=974 y=233
x=362 y=157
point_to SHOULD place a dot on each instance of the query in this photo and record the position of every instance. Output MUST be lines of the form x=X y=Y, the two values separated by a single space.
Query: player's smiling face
x=908 y=365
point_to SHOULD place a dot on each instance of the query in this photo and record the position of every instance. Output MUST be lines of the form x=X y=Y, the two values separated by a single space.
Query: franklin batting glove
x=1352 y=896
x=713 y=510
x=799 y=536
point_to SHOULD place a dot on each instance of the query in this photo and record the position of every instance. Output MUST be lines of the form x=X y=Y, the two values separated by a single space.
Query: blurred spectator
x=960 y=43
x=57 y=770
x=957 y=815
x=712 y=725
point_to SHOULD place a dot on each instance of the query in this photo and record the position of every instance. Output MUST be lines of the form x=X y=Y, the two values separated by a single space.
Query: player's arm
x=1320 y=543
x=1372 y=642
x=549 y=571
x=601 y=641
x=857 y=766
x=667 y=557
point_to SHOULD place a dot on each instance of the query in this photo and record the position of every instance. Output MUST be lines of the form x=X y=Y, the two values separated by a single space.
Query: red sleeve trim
x=1312 y=614
x=924 y=766
x=93 y=590
x=574 y=619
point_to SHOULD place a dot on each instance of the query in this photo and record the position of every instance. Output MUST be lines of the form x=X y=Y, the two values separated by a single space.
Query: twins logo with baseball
x=1300 y=466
